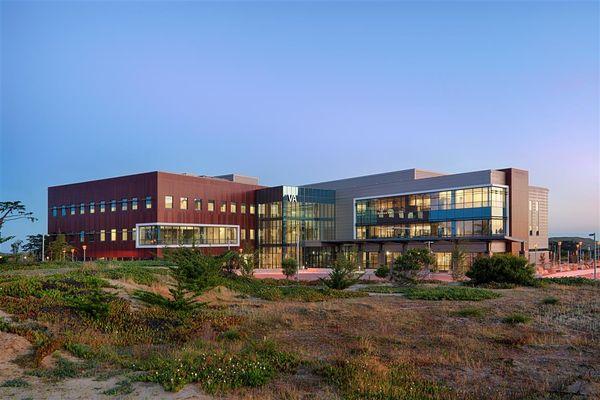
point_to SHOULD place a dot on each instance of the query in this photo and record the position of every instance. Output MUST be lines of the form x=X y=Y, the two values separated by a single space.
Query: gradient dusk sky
x=300 y=92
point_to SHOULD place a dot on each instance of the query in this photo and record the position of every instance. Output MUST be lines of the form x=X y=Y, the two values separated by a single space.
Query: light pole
x=559 y=253
x=72 y=255
x=84 y=247
x=595 y=259
x=64 y=251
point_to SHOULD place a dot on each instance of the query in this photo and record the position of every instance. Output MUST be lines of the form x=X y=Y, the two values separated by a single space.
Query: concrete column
x=381 y=255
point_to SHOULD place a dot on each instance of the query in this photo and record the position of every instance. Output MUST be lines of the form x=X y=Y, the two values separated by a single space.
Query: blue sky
x=300 y=92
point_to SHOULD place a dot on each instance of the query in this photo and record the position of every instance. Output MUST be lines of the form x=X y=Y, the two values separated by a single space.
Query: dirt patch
x=13 y=347
x=125 y=289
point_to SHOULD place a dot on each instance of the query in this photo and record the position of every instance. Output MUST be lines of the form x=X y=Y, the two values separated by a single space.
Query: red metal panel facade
x=156 y=185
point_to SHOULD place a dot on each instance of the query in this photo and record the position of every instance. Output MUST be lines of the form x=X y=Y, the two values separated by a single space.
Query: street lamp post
x=559 y=253
x=84 y=247
x=72 y=255
x=595 y=259
x=64 y=251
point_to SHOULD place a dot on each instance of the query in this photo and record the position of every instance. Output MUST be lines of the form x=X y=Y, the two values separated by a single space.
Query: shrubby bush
x=382 y=272
x=289 y=266
x=408 y=265
x=342 y=274
x=502 y=268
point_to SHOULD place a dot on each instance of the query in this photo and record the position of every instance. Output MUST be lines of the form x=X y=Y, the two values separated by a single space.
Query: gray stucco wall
x=398 y=182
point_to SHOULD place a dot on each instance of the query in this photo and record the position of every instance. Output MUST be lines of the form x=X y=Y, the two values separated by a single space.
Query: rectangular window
x=113 y=235
x=223 y=207
x=252 y=209
x=124 y=234
x=102 y=235
x=102 y=206
x=233 y=207
x=113 y=205
x=242 y=234
x=243 y=208
x=82 y=208
x=63 y=210
x=148 y=202
x=198 y=204
x=133 y=233
x=82 y=236
x=168 y=201
x=92 y=207
x=251 y=234
x=211 y=205
x=123 y=204
x=72 y=209
x=54 y=212
x=183 y=203
x=134 y=203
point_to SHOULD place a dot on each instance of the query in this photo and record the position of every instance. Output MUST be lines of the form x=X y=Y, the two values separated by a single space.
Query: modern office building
x=376 y=216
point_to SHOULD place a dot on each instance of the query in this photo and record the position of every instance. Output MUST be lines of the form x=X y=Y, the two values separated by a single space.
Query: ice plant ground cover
x=74 y=331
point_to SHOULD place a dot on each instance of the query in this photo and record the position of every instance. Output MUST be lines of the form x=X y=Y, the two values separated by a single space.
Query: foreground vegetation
x=249 y=338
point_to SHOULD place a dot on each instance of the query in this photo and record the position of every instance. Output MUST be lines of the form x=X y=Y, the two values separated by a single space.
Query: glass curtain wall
x=181 y=235
x=473 y=212
x=288 y=217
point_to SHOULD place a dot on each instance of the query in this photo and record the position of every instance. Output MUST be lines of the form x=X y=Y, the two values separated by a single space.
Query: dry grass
x=391 y=347
x=473 y=357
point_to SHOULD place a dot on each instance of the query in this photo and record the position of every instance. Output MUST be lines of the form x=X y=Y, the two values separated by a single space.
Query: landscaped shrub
x=408 y=265
x=382 y=272
x=289 y=267
x=571 y=281
x=342 y=274
x=502 y=268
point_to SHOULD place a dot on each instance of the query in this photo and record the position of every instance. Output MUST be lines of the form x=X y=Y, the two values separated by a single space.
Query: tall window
x=54 y=212
x=113 y=205
x=102 y=206
x=113 y=235
x=223 y=207
x=252 y=209
x=148 y=202
x=102 y=235
x=243 y=208
x=197 y=204
x=63 y=210
x=82 y=208
x=242 y=234
x=251 y=234
x=92 y=207
x=82 y=236
x=183 y=203
x=72 y=209
x=133 y=233
x=123 y=204
x=124 y=234
x=233 y=207
x=168 y=201
x=211 y=205
x=134 y=203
